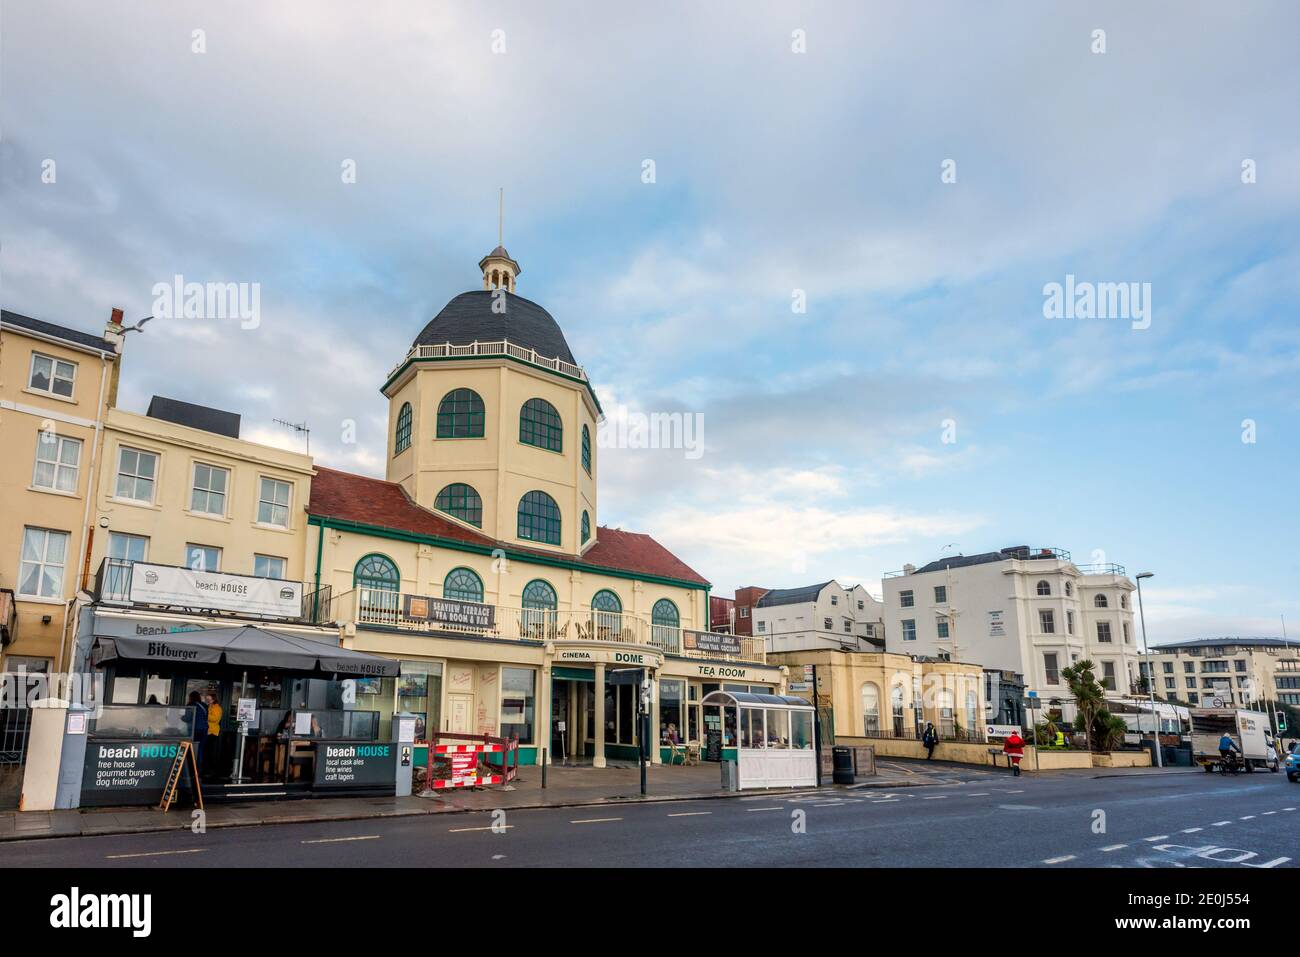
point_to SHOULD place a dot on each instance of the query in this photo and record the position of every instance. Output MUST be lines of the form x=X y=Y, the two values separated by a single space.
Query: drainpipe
x=320 y=545
x=92 y=487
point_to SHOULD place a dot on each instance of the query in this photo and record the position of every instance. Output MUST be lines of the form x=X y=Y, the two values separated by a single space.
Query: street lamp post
x=1151 y=669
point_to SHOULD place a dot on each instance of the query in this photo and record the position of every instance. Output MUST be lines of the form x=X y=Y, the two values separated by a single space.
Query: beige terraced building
x=56 y=386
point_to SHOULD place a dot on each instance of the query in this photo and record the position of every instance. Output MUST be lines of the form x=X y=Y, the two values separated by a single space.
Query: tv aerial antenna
x=299 y=427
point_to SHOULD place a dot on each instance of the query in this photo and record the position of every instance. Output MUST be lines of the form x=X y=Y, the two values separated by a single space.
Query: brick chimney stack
x=113 y=333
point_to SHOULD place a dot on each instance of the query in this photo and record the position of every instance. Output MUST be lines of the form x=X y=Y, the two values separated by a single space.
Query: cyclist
x=1228 y=749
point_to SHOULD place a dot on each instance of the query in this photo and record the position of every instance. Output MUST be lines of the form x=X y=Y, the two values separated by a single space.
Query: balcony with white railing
x=387 y=609
x=499 y=348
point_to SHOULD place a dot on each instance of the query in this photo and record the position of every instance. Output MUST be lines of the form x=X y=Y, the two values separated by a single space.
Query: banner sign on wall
x=447 y=611
x=124 y=771
x=215 y=591
x=355 y=764
x=996 y=628
x=711 y=642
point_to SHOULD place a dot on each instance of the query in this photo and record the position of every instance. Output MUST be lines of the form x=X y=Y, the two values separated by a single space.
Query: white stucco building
x=1020 y=609
x=818 y=617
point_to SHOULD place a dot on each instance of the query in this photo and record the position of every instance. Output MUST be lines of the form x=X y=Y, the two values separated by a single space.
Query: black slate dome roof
x=469 y=318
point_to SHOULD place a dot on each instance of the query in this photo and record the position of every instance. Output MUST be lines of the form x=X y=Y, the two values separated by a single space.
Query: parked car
x=1293 y=767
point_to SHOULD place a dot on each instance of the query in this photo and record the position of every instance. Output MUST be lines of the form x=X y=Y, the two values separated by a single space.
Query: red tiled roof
x=371 y=501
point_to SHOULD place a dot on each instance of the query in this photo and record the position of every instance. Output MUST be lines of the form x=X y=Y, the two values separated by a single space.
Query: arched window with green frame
x=461 y=415
x=402 y=438
x=539 y=518
x=665 y=626
x=461 y=501
x=586 y=527
x=540 y=425
x=586 y=449
x=607 y=613
x=539 y=612
x=378 y=584
x=463 y=584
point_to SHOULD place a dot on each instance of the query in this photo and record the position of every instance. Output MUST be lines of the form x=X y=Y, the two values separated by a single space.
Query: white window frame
x=46 y=440
x=907 y=599
x=284 y=565
x=1047 y=672
x=42 y=563
x=1110 y=637
x=135 y=476
x=941 y=594
x=943 y=629
x=130 y=536
x=190 y=565
x=209 y=491
x=905 y=624
x=1046 y=621
x=55 y=362
x=287 y=505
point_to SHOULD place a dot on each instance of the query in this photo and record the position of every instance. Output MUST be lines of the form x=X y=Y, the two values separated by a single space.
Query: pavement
x=938 y=819
x=566 y=787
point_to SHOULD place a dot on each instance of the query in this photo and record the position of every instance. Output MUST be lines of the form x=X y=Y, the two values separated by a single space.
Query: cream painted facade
x=1254 y=670
x=540 y=672
x=879 y=694
x=162 y=520
x=498 y=466
x=50 y=430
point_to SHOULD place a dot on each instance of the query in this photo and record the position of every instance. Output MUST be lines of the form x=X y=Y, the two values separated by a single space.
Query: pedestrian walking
x=212 y=754
x=198 y=722
x=930 y=739
x=1014 y=748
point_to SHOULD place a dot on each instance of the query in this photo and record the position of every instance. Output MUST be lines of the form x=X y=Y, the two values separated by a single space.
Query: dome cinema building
x=479 y=562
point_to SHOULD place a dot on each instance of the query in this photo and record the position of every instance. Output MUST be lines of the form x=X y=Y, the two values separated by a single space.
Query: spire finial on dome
x=499 y=270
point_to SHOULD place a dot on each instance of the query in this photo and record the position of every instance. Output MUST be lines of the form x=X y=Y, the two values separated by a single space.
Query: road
x=988 y=820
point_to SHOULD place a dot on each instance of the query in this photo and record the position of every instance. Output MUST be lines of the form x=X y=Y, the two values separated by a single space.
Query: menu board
x=356 y=764
x=712 y=745
x=128 y=771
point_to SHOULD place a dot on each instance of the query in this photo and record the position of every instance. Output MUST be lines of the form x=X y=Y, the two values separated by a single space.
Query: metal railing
x=113 y=586
x=372 y=606
x=500 y=347
x=910 y=732
x=1101 y=568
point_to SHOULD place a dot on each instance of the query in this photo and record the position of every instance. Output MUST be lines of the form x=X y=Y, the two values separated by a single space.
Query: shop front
x=276 y=711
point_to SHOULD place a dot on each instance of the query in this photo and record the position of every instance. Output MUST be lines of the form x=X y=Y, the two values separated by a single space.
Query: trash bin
x=842 y=765
x=730 y=782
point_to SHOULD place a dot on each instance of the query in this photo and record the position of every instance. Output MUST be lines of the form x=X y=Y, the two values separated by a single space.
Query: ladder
x=184 y=751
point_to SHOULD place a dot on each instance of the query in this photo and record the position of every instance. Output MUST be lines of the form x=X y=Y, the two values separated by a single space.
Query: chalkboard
x=713 y=745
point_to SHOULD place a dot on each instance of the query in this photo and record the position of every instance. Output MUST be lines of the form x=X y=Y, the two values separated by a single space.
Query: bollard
x=543 y=768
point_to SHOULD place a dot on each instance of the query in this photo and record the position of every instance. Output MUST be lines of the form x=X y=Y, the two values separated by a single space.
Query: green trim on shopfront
x=397 y=374
x=573 y=674
x=394 y=534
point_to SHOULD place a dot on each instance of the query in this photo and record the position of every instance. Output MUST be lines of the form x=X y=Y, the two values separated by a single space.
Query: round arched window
x=462 y=584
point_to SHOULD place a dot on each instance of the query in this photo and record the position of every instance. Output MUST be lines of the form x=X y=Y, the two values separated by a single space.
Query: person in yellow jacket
x=214 y=732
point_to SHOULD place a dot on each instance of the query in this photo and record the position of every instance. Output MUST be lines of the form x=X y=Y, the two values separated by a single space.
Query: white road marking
x=978 y=794
x=700 y=813
x=1288 y=809
x=490 y=827
x=1114 y=847
x=829 y=804
x=1220 y=824
x=1246 y=817
x=886 y=801
x=1158 y=837
x=1191 y=830
x=943 y=797
x=340 y=840
x=1266 y=813
x=1014 y=792
x=595 y=820
x=120 y=857
x=752 y=809
x=1059 y=860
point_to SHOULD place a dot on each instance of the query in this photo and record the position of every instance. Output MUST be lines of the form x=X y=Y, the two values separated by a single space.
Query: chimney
x=113 y=333
x=909 y=569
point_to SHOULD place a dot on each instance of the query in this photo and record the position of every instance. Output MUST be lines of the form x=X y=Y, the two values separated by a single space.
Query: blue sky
x=775 y=171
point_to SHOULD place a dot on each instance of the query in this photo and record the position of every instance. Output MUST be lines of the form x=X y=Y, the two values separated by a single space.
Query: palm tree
x=1089 y=696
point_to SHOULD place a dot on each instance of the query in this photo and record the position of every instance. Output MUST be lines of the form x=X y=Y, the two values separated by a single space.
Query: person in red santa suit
x=1014 y=748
